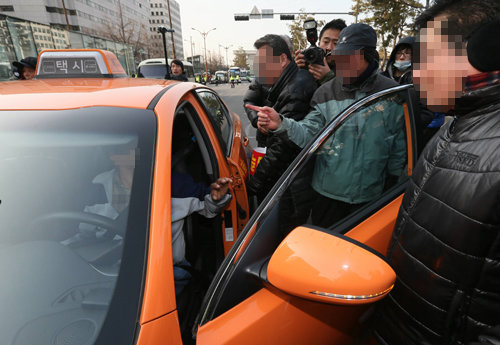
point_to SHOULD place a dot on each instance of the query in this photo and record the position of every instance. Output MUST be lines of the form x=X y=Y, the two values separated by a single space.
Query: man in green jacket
x=370 y=149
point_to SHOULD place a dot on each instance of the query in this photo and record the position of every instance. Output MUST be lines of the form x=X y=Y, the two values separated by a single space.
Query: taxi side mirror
x=331 y=268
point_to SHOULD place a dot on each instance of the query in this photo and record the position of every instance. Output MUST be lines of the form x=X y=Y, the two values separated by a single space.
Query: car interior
x=192 y=154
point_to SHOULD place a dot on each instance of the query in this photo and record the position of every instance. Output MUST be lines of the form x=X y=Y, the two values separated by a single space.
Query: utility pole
x=172 y=32
x=65 y=15
x=204 y=35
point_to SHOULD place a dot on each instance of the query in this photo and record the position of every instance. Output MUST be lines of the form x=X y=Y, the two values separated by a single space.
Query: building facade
x=22 y=38
x=198 y=63
x=160 y=16
x=120 y=20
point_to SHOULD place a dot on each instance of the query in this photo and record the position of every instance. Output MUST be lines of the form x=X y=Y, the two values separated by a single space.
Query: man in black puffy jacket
x=256 y=95
x=290 y=90
x=445 y=247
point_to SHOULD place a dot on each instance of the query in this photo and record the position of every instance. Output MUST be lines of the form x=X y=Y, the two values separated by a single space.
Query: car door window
x=219 y=117
x=363 y=156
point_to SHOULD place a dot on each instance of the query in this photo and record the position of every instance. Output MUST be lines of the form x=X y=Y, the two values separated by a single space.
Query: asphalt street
x=234 y=99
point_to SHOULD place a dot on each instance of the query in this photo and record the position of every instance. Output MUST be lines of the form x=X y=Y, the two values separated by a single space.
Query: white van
x=155 y=69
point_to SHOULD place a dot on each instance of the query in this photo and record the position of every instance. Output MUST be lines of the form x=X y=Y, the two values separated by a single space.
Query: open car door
x=278 y=286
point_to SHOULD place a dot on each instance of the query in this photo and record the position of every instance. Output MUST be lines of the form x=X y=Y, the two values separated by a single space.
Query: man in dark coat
x=445 y=247
x=290 y=91
x=256 y=95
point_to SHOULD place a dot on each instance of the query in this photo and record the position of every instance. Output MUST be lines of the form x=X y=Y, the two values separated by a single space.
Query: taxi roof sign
x=79 y=63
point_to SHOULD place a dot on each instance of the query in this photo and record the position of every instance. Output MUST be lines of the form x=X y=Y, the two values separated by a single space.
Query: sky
x=204 y=15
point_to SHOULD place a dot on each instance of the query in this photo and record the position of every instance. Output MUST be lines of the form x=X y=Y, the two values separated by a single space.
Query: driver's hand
x=300 y=60
x=219 y=188
x=319 y=71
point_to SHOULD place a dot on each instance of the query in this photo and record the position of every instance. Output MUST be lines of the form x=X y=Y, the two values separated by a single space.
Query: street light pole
x=229 y=46
x=163 y=30
x=204 y=35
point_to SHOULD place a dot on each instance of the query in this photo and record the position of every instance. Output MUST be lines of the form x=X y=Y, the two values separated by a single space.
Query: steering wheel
x=81 y=217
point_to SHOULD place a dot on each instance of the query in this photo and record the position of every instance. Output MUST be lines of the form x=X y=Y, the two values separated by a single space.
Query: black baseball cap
x=354 y=37
x=29 y=61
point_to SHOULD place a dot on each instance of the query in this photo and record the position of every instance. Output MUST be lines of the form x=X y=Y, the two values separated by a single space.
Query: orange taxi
x=265 y=280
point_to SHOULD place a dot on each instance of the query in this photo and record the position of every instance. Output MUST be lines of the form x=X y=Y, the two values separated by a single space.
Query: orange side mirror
x=330 y=268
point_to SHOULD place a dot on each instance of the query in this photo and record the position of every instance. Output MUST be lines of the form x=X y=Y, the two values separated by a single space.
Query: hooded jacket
x=290 y=97
x=423 y=116
x=406 y=77
x=445 y=247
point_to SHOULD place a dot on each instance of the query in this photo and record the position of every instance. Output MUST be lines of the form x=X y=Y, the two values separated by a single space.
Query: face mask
x=402 y=65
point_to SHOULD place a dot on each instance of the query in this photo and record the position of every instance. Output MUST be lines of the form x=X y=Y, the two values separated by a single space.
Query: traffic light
x=287 y=17
x=241 y=17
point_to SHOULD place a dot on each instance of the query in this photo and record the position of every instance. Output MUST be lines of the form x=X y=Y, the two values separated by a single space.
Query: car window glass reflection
x=67 y=187
x=219 y=116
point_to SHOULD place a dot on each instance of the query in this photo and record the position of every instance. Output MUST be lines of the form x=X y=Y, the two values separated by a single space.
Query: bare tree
x=128 y=31
x=215 y=62
x=392 y=19
x=297 y=32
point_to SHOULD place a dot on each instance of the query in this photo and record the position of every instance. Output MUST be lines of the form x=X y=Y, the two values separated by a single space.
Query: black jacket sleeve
x=279 y=154
x=255 y=95
x=295 y=103
x=490 y=337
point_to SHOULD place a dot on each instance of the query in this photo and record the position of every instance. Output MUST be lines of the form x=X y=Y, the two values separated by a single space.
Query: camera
x=313 y=55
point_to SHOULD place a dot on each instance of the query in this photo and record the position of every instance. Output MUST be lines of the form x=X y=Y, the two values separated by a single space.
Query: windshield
x=74 y=198
x=152 y=71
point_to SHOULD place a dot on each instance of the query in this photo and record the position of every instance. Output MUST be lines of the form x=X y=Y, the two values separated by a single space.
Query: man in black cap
x=177 y=68
x=357 y=60
x=445 y=246
x=26 y=67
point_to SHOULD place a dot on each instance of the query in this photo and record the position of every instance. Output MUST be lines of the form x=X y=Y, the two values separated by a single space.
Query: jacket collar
x=283 y=80
x=473 y=101
x=365 y=81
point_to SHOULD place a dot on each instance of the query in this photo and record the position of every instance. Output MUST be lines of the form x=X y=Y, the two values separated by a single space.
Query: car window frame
x=215 y=292
x=226 y=147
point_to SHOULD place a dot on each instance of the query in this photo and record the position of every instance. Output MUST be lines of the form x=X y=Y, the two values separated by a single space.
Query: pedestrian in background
x=177 y=68
x=26 y=68
x=400 y=69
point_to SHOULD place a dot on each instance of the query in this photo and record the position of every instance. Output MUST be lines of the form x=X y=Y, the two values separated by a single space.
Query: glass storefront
x=21 y=38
